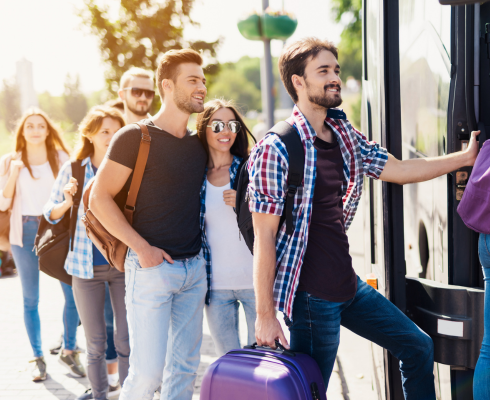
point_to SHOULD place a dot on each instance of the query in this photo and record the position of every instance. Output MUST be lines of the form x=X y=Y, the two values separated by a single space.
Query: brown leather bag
x=112 y=248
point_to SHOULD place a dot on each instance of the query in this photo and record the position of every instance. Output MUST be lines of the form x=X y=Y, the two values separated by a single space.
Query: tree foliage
x=10 y=110
x=233 y=85
x=144 y=30
x=75 y=102
x=350 y=46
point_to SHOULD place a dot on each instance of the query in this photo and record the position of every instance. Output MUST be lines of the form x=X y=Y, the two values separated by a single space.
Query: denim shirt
x=205 y=248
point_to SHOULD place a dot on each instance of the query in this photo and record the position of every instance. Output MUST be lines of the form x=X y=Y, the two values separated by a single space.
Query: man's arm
x=424 y=169
x=267 y=327
x=110 y=179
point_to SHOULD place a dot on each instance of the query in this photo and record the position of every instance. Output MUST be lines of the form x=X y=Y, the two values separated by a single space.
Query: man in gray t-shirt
x=165 y=270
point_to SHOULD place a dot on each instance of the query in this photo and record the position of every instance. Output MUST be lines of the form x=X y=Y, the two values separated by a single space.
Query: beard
x=323 y=98
x=185 y=104
x=139 y=112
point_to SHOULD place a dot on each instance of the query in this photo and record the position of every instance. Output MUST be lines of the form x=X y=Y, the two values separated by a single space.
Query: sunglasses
x=219 y=126
x=137 y=92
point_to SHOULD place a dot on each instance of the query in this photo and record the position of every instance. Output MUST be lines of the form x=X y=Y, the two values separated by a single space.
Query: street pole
x=267 y=81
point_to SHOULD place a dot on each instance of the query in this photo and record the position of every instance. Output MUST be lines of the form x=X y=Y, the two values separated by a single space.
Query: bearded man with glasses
x=136 y=90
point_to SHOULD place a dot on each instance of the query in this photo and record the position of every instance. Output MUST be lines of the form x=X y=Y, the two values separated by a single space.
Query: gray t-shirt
x=168 y=207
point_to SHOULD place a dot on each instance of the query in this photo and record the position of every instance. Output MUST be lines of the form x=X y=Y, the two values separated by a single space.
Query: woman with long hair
x=26 y=178
x=226 y=140
x=86 y=264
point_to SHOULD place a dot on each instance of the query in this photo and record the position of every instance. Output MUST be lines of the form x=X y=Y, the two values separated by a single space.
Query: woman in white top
x=26 y=178
x=225 y=138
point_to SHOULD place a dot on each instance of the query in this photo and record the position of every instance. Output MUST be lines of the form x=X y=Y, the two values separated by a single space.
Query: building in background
x=25 y=84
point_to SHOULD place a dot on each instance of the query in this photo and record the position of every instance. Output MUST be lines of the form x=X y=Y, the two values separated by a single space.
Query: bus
x=426 y=86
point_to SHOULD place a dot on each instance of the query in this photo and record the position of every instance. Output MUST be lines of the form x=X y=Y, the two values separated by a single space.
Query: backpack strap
x=291 y=139
x=242 y=164
x=77 y=172
x=138 y=172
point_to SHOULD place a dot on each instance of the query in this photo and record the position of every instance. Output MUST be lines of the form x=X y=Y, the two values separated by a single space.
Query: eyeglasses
x=137 y=92
x=219 y=126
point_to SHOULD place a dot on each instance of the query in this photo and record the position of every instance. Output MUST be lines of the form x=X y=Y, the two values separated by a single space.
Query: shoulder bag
x=111 y=247
x=52 y=241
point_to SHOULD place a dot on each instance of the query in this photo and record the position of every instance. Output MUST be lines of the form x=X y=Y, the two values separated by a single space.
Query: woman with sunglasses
x=226 y=140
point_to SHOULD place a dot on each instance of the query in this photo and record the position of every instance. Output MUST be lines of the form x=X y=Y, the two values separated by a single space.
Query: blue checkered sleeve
x=57 y=196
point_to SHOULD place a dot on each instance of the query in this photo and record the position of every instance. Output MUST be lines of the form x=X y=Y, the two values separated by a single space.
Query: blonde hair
x=90 y=125
x=54 y=141
x=134 y=72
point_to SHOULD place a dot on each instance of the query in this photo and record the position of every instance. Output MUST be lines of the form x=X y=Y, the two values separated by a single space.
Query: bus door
x=421 y=76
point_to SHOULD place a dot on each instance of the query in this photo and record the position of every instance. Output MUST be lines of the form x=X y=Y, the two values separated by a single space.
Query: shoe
x=72 y=362
x=114 y=390
x=87 y=395
x=39 y=371
x=56 y=347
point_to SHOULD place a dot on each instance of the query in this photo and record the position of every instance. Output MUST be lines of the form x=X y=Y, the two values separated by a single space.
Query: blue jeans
x=481 y=379
x=164 y=304
x=70 y=318
x=110 y=352
x=222 y=315
x=315 y=330
x=27 y=265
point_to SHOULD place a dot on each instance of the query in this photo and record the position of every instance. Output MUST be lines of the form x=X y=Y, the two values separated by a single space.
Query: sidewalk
x=351 y=378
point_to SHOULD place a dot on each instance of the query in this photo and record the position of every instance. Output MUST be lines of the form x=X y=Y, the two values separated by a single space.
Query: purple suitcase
x=260 y=373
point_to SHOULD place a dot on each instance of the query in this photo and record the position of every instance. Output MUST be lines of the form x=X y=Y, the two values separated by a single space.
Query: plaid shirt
x=268 y=169
x=79 y=262
x=205 y=248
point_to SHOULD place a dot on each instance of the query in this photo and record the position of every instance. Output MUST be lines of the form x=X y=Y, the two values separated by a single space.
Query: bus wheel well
x=423 y=250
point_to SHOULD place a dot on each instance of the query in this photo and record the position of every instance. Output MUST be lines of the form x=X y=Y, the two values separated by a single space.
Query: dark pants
x=316 y=331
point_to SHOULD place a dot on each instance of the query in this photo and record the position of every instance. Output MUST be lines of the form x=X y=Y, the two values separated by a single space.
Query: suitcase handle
x=280 y=349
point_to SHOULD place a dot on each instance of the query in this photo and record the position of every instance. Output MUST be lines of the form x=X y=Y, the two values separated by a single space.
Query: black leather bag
x=53 y=240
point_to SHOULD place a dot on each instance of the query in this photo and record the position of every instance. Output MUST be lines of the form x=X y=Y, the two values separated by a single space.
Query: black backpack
x=291 y=139
x=52 y=242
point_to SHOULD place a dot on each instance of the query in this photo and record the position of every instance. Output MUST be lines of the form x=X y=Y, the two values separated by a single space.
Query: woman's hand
x=229 y=196
x=16 y=166
x=69 y=191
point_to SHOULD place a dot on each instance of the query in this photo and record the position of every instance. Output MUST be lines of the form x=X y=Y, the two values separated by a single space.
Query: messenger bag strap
x=138 y=172
x=77 y=172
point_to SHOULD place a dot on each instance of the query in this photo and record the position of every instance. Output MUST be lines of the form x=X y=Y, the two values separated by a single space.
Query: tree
x=350 y=46
x=145 y=29
x=10 y=110
x=233 y=85
x=75 y=103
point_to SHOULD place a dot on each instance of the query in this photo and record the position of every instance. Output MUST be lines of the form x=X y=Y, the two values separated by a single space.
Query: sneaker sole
x=70 y=372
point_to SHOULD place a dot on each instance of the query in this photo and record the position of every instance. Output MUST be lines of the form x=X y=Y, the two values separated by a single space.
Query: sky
x=49 y=33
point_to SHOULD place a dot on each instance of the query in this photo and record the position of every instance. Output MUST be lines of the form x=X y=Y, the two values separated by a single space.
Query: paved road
x=351 y=378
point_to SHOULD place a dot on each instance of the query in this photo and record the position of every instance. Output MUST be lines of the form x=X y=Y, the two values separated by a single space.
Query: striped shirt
x=79 y=262
x=268 y=170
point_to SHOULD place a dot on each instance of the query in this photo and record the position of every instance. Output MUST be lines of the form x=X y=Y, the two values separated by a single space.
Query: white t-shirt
x=35 y=192
x=232 y=262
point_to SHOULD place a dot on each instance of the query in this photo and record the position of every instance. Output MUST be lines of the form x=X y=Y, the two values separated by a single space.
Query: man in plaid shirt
x=308 y=275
